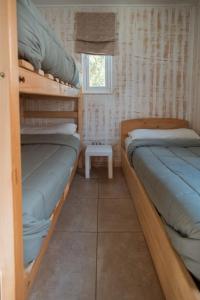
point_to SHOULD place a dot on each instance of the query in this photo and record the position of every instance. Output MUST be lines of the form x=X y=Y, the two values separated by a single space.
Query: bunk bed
x=49 y=161
x=176 y=281
x=33 y=83
x=36 y=83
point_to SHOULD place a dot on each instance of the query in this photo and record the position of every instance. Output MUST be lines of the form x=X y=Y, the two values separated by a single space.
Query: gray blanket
x=51 y=139
x=167 y=143
x=170 y=173
x=37 y=44
x=47 y=161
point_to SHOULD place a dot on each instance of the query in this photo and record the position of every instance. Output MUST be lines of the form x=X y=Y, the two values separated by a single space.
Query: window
x=97 y=71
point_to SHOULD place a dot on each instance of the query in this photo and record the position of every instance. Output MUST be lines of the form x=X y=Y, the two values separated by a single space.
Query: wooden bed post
x=80 y=114
x=11 y=242
x=80 y=125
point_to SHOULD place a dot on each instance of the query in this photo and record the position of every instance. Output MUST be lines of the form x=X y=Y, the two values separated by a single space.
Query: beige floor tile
x=99 y=173
x=117 y=215
x=84 y=188
x=68 y=269
x=113 y=188
x=78 y=214
x=125 y=270
x=117 y=174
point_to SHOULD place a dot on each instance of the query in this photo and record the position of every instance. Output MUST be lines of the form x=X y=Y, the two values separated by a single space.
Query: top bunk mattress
x=38 y=44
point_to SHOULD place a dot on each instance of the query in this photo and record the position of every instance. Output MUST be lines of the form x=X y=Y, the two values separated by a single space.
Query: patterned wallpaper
x=152 y=73
x=195 y=115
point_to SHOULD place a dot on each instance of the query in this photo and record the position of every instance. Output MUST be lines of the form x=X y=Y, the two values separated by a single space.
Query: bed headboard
x=151 y=123
x=75 y=114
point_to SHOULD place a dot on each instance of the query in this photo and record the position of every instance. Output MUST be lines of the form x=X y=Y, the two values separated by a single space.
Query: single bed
x=170 y=173
x=47 y=163
x=39 y=45
x=164 y=180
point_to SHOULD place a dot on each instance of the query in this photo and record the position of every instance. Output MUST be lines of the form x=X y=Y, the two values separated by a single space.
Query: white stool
x=98 y=150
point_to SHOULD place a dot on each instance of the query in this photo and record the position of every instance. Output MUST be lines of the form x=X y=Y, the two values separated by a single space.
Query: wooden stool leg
x=110 y=167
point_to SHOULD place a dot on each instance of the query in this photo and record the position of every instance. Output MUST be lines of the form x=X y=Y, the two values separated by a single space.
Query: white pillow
x=77 y=135
x=180 y=133
x=65 y=128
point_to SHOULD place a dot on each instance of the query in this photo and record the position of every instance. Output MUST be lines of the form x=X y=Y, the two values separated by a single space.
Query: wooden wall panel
x=151 y=73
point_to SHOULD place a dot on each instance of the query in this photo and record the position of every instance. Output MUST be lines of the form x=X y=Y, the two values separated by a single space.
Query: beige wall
x=152 y=74
x=195 y=113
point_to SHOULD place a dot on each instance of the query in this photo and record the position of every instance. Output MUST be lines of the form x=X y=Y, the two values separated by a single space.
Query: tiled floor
x=98 y=251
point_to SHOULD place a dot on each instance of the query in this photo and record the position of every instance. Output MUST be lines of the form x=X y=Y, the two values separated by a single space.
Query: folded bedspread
x=170 y=172
x=37 y=44
x=47 y=161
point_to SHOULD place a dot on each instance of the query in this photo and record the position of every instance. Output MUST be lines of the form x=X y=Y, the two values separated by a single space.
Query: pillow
x=65 y=128
x=180 y=133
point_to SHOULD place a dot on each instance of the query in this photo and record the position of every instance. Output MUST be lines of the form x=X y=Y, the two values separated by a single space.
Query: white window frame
x=97 y=90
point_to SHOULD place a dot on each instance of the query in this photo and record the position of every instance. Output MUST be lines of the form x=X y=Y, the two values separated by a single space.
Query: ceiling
x=111 y=2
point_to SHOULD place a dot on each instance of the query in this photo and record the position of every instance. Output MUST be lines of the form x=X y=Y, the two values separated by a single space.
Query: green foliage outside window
x=97 y=76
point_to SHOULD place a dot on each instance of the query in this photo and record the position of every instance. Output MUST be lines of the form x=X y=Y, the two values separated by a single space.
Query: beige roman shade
x=95 y=33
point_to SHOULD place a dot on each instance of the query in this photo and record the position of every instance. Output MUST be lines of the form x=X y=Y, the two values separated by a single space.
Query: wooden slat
x=11 y=241
x=25 y=64
x=51 y=114
x=66 y=89
x=50 y=97
x=33 y=83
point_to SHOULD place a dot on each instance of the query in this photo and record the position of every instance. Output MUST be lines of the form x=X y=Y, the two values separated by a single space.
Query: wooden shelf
x=39 y=83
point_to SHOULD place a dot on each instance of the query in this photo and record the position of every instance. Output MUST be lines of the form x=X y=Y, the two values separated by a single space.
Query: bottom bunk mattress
x=47 y=162
x=170 y=173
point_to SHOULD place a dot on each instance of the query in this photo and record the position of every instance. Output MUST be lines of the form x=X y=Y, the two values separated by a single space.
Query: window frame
x=108 y=76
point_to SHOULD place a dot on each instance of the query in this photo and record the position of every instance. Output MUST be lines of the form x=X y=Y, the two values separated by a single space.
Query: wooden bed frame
x=19 y=78
x=176 y=281
x=31 y=271
x=37 y=83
